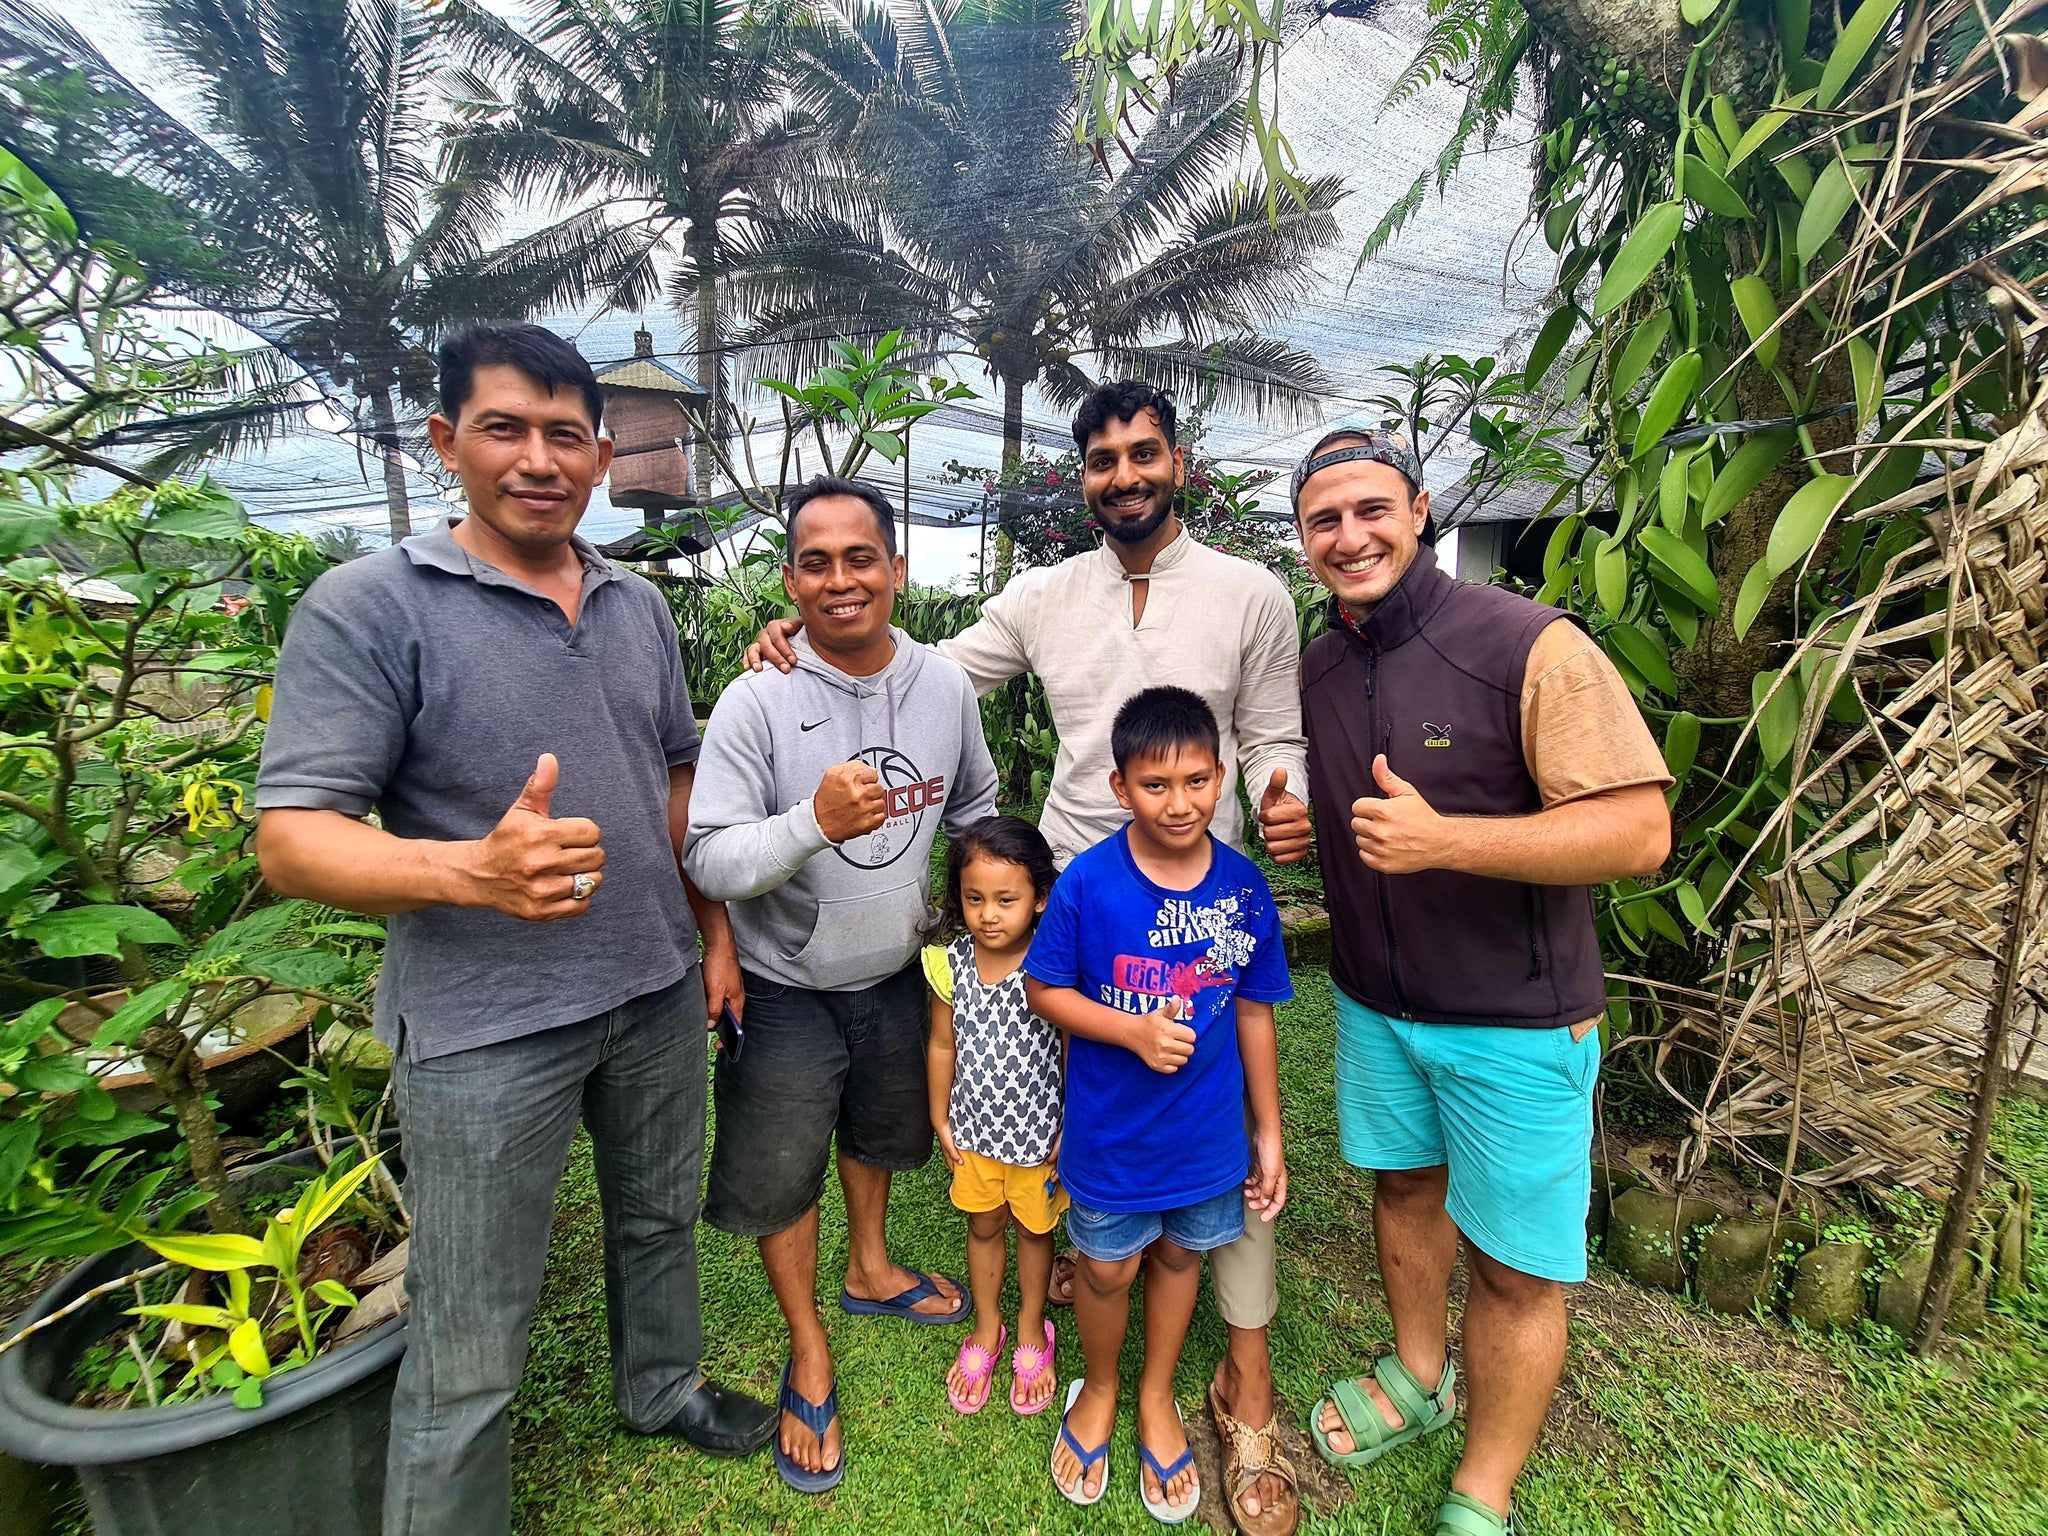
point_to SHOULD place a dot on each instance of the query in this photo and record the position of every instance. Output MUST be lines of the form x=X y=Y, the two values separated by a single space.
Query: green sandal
x=1463 y=1515
x=1422 y=1412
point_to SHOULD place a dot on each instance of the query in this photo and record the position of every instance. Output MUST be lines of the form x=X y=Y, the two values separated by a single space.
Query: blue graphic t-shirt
x=1135 y=1139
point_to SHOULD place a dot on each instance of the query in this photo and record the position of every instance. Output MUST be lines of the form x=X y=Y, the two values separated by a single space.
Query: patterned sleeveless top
x=1007 y=1083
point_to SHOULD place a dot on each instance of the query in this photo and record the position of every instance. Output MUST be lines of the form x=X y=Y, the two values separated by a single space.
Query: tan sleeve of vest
x=1581 y=730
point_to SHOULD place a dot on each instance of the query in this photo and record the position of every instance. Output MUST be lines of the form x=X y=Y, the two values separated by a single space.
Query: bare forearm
x=939 y=1080
x=1066 y=1010
x=1583 y=842
x=1258 y=1047
x=336 y=859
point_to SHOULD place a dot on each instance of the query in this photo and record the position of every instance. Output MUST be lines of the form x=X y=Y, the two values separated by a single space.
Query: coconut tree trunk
x=1013 y=455
x=384 y=410
x=710 y=365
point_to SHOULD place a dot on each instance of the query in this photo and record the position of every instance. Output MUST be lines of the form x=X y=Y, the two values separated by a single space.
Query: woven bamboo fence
x=1848 y=1049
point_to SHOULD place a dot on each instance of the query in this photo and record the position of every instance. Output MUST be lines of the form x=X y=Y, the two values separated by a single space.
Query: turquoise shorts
x=1510 y=1111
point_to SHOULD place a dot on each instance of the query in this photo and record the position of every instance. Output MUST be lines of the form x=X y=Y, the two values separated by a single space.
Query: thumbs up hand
x=1402 y=833
x=1283 y=822
x=531 y=865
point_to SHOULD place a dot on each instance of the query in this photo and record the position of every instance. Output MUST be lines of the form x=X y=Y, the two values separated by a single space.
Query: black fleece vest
x=1435 y=682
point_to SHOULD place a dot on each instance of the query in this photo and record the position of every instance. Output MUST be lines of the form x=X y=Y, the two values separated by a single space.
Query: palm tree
x=317 y=218
x=668 y=121
x=989 y=232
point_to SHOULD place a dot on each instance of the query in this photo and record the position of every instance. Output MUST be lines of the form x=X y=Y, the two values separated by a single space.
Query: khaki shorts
x=1247 y=1286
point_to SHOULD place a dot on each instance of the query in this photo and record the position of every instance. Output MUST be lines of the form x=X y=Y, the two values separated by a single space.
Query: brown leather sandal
x=1248 y=1455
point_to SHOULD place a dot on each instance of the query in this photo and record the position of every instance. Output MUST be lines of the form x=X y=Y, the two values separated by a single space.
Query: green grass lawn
x=1671 y=1419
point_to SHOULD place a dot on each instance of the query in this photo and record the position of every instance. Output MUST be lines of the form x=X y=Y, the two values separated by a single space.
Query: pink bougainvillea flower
x=1052 y=477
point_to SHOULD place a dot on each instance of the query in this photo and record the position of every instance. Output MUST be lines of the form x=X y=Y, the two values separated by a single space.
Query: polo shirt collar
x=439 y=550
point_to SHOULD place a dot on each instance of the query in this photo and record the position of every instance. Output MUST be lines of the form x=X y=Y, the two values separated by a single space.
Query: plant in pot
x=213 y=1328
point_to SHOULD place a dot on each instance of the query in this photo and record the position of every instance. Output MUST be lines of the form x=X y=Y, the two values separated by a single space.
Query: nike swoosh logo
x=813 y=725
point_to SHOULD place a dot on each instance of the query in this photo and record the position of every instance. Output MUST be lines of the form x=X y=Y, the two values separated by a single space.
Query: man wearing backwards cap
x=1476 y=764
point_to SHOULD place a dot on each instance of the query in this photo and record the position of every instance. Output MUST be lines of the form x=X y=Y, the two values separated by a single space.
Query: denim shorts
x=1509 y=1110
x=1109 y=1237
x=815 y=1066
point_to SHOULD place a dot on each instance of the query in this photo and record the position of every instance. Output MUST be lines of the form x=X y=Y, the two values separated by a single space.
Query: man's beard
x=1135 y=531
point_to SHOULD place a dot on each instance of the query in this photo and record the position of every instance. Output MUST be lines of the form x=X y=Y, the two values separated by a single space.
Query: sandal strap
x=1167 y=1474
x=816 y=1417
x=1085 y=1457
x=1463 y=1515
x=1416 y=1403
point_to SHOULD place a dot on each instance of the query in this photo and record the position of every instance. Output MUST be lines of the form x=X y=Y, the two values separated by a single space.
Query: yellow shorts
x=1033 y=1195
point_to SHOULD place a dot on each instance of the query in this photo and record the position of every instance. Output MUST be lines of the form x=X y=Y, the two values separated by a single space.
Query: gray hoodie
x=808 y=913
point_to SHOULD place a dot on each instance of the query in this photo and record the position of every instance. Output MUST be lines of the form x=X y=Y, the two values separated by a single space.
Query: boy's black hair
x=1161 y=722
x=534 y=350
x=1122 y=400
x=1007 y=840
x=795 y=501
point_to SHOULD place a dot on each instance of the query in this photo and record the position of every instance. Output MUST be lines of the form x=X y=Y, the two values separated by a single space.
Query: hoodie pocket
x=858 y=940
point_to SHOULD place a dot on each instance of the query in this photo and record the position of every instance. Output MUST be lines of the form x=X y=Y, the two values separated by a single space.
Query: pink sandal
x=979 y=1367
x=1028 y=1376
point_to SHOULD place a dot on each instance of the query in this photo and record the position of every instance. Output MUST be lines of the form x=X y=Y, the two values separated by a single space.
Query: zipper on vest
x=1386 y=890
x=1535 y=951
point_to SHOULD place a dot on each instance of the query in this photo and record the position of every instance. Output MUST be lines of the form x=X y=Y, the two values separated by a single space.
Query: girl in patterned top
x=996 y=1090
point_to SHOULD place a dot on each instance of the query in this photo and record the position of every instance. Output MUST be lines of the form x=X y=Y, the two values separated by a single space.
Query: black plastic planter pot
x=309 y=1462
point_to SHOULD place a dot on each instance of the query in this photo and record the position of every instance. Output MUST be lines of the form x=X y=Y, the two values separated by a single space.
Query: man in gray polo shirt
x=513 y=708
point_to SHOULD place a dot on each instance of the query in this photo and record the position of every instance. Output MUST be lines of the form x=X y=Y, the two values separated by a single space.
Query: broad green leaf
x=52 y=1074
x=320 y=1204
x=18 y=1138
x=218 y=1251
x=1744 y=472
x=1800 y=523
x=204 y=514
x=32 y=1025
x=1749 y=602
x=1673 y=491
x=1691 y=574
x=1559 y=546
x=188 y=1312
x=124 y=1126
x=1727 y=127
x=1857 y=35
x=1758 y=134
x=24 y=525
x=887 y=444
x=147 y=1007
x=246 y=1345
x=1797 y=175
x=1697 y=11
x=1557 y=330
x=1833 y=195
x=1581 y=375
x=1759 y=312
x=1667 y=402
x=1868 y=379
x=1635 y=646
x=1662 y=922
x=297 y=967
x=97 y=930
x=1640 y=254
x=334 y=1293
x=1705 y=187
x=259 y=930
x=1643 y=343
x=1681 y=743
x=1777 y=722
x=1694 y=906
x=1610 y=576
x=1794 y=17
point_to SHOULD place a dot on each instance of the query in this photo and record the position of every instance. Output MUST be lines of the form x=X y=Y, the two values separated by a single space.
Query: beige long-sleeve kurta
x=1213 y=623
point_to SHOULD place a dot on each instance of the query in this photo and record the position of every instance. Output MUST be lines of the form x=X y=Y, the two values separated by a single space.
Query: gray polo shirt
x=423 y=683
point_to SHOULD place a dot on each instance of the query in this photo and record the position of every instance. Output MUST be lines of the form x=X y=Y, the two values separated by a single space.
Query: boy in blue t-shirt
x=1159 y=955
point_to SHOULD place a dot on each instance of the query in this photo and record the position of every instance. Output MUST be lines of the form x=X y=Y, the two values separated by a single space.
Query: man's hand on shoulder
x=850 y=801
x=529 y=864
x=1284 y=822
x=1403 y=833
x=772 y=648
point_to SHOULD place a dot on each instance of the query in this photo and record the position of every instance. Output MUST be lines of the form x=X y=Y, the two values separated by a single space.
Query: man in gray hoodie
x=818 y=795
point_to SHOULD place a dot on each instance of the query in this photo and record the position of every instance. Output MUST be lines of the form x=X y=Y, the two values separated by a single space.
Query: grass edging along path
x=1671 y=1419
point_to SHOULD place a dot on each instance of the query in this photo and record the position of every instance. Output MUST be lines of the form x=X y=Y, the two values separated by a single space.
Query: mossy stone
x=1828 y=1288
x=1899 y=1293
x=1738 y=1268
x=1968 y=1310
x=1608 y=1185
x=1648 y=1234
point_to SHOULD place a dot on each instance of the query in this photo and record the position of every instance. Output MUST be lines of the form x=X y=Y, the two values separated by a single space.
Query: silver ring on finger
x=581 y=886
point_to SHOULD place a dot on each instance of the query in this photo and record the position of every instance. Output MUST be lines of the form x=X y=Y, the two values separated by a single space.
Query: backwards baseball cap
x=1358 y=443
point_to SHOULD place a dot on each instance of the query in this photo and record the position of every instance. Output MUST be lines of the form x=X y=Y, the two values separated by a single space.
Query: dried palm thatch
x=1846 y=1041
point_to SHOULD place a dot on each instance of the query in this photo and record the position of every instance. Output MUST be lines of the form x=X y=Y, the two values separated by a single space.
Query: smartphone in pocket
x=730 y=1035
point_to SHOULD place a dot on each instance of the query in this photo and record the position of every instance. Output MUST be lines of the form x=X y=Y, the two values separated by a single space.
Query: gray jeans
x=487 y=1134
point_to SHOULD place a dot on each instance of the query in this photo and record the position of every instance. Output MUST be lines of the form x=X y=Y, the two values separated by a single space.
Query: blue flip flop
x=904 y=1303
x=817 y=1418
